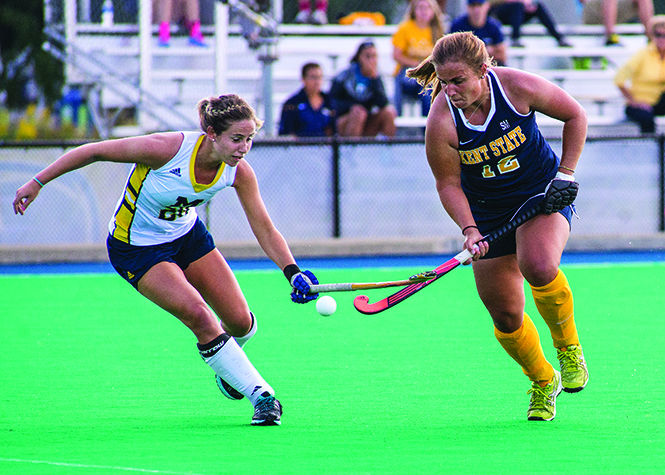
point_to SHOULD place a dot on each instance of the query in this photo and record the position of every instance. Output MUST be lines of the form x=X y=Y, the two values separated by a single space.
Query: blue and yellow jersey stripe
x=126 y=211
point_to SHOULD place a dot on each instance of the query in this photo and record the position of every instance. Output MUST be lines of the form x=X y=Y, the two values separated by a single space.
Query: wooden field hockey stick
x=362 y=304
x=347 y=287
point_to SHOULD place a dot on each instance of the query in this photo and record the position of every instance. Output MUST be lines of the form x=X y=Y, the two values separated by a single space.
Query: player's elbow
x=577 y=117
x=444 y=186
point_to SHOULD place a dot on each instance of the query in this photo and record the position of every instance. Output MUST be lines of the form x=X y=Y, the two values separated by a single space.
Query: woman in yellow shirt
x=412 y=42
x=642 y=79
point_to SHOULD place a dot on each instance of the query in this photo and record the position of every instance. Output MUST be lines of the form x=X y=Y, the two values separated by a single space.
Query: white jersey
x=158 y=206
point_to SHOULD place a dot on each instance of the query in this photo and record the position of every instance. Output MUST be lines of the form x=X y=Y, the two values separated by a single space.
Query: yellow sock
x=555 y=304
x=523 y=345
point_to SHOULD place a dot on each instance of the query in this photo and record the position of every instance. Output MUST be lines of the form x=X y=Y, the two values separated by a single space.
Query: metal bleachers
x=181 y=74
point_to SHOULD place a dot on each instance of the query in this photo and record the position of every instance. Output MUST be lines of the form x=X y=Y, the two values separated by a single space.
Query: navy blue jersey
x=504 y=161
x=301 y=119
x=490 y=32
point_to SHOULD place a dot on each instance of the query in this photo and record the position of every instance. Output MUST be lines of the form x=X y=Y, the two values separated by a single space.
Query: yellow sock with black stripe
x=523 y=345
x=555 y=304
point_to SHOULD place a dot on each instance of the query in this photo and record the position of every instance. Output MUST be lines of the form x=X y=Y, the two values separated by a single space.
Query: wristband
x=564 y=176
x=38 y=182
x=468 y=227
x=290 y=271
x=567 y=168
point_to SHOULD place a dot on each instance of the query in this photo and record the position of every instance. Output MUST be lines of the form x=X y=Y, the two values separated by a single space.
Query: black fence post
x=661 y=182
x=336 y=188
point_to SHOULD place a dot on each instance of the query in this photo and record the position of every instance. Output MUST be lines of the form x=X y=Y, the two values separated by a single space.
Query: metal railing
x=62 y=28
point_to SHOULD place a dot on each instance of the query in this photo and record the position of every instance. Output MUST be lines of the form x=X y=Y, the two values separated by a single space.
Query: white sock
x=241 y=340
x=231 y=364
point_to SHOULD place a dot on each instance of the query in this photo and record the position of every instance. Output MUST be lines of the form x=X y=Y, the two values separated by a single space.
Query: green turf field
x=94 y=379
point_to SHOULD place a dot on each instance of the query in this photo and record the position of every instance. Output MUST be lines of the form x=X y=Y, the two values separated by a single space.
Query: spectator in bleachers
x=412 y=42
x=517 y=12
x=484 y=27
x=309 y=112
x=168 y=11
x=318 y=16
x=641 y=80
x=359 y=97
x=610 y=12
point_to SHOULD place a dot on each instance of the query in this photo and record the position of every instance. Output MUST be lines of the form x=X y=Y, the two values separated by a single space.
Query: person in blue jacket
x=309 y=112
x=359 y=97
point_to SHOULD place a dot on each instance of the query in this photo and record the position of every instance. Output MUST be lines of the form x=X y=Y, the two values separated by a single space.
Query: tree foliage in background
x=28 y=73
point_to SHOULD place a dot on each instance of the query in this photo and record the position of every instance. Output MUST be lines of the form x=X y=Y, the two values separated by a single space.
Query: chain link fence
x=321 y=190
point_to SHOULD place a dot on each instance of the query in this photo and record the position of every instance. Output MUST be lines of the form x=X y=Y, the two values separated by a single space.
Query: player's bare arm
x=269 y=238
x=153 y=150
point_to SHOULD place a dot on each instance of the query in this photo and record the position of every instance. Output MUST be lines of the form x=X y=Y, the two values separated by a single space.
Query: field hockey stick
x=362 y=304
x=344 y=287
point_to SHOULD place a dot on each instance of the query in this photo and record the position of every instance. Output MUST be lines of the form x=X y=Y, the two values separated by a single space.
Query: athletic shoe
x=574 y=373
x=564 y=43
x=267 y=411
x=613 y=40
x=302 y=16
x=200 y=42
x=318 y=17
x=543 y=399
x=517 y=43
x=227 y=390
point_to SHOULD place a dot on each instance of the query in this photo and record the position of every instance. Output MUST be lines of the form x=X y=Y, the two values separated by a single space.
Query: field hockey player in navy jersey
x=490 y=162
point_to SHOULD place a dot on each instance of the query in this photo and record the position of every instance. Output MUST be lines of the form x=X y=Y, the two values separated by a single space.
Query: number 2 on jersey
x=505 y=165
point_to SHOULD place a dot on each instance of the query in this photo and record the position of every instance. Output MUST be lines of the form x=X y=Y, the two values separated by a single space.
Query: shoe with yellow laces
x=574 y=373
x=543 y=399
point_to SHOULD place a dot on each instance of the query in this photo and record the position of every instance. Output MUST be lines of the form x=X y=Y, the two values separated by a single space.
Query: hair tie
x=467 y=227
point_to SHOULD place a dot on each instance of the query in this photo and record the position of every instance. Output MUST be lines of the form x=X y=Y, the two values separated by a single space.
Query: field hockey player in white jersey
x=159 y=245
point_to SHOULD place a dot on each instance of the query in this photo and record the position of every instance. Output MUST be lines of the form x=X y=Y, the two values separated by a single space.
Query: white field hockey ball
x=326 y=305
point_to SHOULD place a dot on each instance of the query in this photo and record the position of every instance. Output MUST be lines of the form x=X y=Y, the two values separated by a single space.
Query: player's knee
x=507 y=322
x=200 y=319
x=239 y=324
x=540 y=273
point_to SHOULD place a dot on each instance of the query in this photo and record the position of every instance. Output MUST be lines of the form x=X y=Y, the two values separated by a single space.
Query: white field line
x=89 y=466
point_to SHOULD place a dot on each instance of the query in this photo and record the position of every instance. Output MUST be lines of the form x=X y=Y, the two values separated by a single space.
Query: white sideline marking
x=106 y=467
